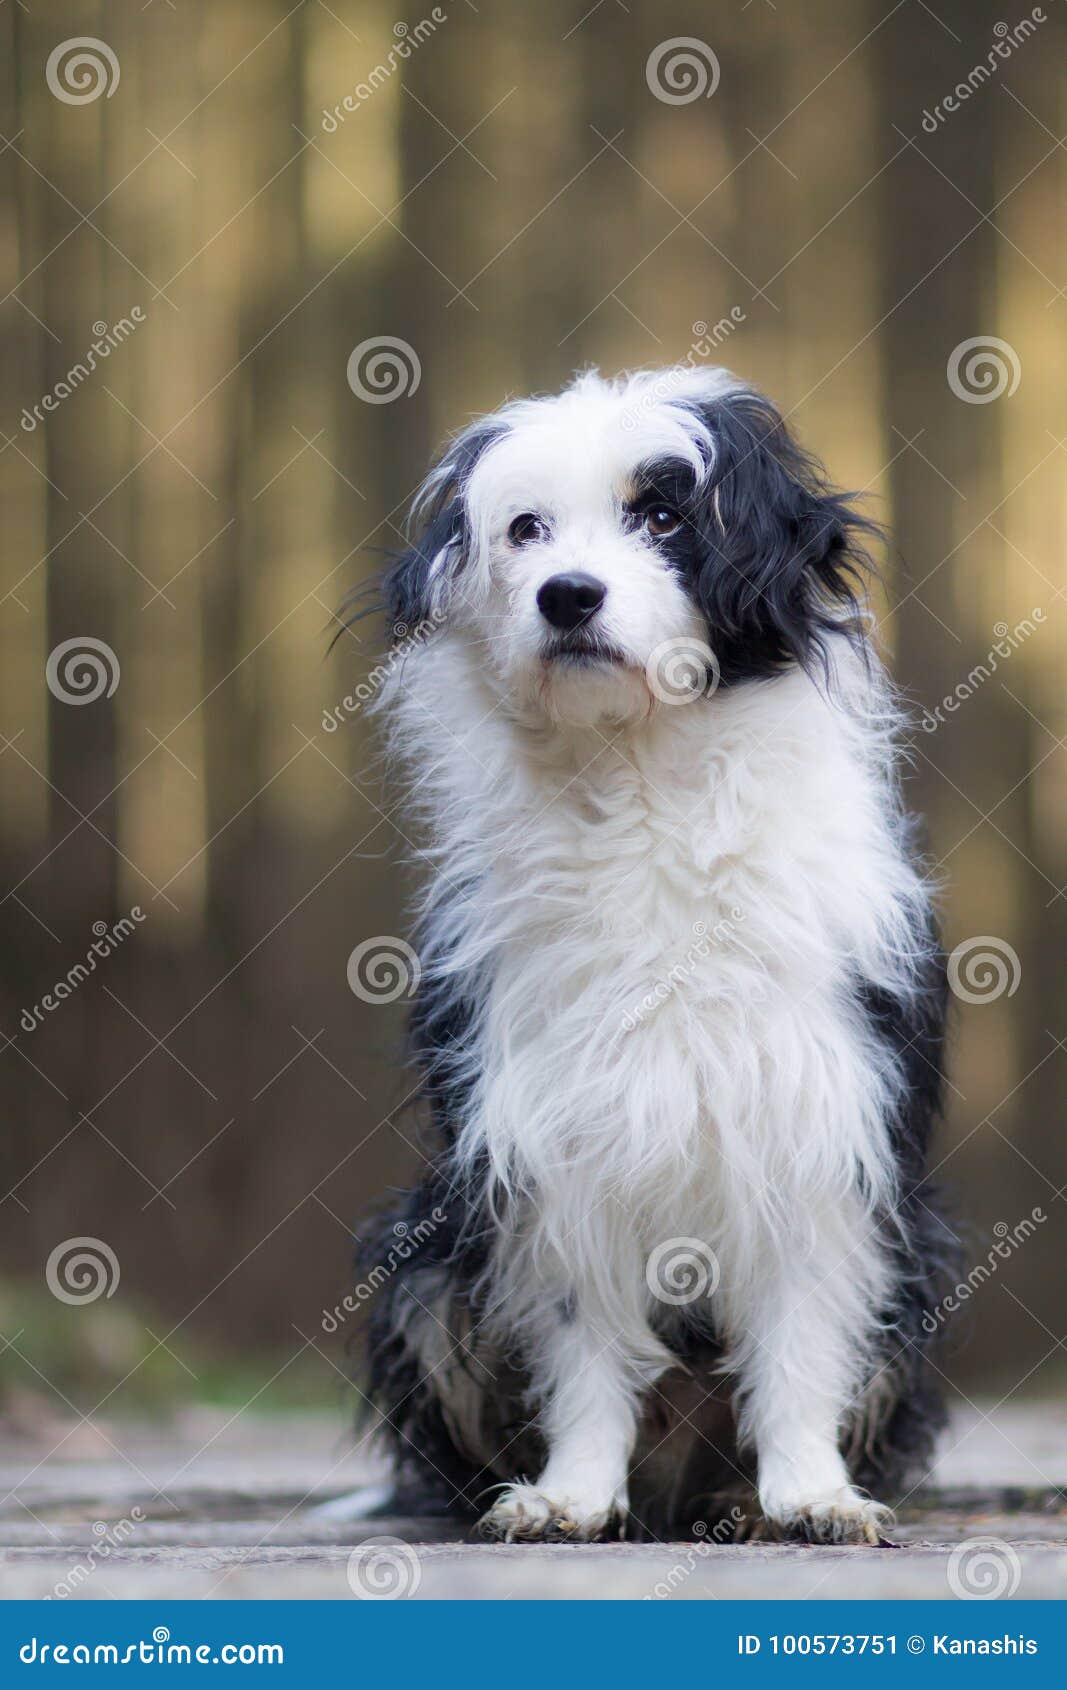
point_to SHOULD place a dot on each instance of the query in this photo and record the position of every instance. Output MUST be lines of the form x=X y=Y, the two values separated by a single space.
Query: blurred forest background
x=512 y=197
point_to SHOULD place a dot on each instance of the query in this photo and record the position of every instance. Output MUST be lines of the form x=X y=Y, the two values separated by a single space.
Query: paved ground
x=212 y=1508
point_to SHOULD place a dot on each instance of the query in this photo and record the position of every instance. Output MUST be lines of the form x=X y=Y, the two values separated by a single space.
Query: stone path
x=222 y=1506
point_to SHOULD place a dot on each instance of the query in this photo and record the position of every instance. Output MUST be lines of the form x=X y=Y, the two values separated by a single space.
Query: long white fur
x=582 y=833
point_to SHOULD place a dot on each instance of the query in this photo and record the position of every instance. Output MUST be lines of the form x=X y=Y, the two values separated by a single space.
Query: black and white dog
x=679 y=1023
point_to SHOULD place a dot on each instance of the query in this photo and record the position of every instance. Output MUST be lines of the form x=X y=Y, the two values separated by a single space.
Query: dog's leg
x=799 y=1347
x=589 y=1422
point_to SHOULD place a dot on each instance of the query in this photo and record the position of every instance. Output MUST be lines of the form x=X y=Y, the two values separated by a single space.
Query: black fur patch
x=925 y=1251
x=772 y=555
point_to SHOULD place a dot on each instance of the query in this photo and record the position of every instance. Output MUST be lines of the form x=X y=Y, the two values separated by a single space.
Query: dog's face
x=629 y=544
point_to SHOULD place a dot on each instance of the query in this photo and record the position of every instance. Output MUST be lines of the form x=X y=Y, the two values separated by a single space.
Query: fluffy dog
x=680 y=1016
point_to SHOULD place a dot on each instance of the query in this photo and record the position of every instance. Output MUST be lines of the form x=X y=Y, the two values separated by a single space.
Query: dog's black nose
x=569 y=600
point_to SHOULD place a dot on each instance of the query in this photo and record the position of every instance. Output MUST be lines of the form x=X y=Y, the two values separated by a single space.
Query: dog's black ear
x=414 y=590
x=413 y=587
x=416 y=586
x=784 y=560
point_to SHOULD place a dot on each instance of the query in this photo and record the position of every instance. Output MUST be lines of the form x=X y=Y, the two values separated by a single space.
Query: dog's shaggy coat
x=679 y=1023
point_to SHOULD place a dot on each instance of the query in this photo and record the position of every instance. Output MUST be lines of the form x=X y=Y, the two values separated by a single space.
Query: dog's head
x=631 y=542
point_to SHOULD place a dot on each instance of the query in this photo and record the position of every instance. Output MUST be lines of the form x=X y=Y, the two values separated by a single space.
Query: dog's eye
x=661 y=520
x=527 y=528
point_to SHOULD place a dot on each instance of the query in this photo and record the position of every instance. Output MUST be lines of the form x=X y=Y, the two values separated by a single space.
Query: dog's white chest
x=668 y=1016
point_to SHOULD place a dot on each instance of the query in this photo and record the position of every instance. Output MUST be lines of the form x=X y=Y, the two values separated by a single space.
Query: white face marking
x=573 y=463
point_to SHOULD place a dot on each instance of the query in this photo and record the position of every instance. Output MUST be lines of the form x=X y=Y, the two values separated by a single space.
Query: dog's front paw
x=845 y=1516
x=523 y=1514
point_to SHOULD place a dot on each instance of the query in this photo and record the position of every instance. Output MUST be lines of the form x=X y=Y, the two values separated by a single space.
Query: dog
x=679 y=1024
